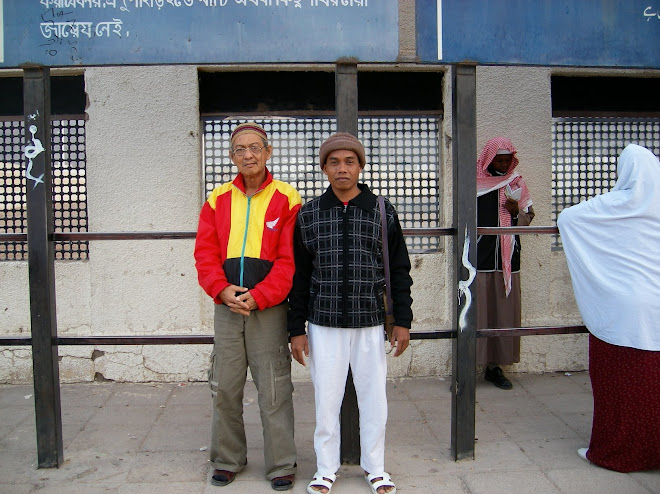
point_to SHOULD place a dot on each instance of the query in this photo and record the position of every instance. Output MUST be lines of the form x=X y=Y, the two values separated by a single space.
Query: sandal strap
x=323 y=480
x=386 y=480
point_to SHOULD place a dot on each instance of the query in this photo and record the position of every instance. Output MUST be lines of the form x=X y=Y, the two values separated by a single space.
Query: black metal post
x=346 y=97
x=465 y=205
x=347 y=121
x=41 y=266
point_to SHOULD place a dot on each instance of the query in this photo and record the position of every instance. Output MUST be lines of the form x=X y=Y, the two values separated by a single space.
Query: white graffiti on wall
x=464 y=285
x=32 y=151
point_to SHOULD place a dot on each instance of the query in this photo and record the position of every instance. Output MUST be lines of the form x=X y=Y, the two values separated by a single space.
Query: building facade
x=149 y=147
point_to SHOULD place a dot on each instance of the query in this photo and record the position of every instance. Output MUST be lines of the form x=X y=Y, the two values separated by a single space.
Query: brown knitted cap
x=249 y=127
x=341 y=140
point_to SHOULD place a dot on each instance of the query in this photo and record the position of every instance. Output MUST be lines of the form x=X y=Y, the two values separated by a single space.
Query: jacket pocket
x=280 y=377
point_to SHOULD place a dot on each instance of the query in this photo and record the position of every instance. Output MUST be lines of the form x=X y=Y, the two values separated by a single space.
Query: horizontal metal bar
x=438 y=232
x=84 y=236
x=200 y=339
x=15 y=341
x=531 y=331
x=321 y=114
x=122 y=236
x=190 y=235
x=442 y=334
x=497 y=230
x=13 y=237
x=208 y=339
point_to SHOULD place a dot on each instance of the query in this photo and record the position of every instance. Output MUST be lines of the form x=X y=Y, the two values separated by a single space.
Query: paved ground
x=153 y=438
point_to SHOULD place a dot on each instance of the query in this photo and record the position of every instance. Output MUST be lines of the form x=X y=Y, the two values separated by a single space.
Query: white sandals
x=321 y=481
x=327 y=482
x=385 y=481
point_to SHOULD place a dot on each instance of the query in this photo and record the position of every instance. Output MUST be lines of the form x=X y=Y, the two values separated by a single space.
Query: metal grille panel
x=401 y=153
x=68 y=181
x=585 y=153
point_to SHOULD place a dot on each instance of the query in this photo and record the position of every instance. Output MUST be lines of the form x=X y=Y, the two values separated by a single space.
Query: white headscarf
x=612 y=245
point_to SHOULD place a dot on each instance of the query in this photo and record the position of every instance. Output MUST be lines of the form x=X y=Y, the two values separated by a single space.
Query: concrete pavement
x=153 y=438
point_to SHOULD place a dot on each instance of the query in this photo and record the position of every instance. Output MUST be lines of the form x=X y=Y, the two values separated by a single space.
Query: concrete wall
x=144 y=174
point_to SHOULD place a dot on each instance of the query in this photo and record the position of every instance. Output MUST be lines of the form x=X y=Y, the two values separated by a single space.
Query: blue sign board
x=118 y=32
x=596 y=33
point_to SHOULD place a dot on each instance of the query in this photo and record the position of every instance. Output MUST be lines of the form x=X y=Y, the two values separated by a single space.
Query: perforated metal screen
x=69 y=187
x=401 y=153
x=585 y=153
x=12 y=190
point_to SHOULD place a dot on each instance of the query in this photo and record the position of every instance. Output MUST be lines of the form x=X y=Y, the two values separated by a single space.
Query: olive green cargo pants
x=260 y=342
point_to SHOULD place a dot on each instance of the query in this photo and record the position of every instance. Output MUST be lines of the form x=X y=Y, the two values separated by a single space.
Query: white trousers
x=331 y=351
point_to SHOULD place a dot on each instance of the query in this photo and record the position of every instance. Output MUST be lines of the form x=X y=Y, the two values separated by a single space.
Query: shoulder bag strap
x=386 y=255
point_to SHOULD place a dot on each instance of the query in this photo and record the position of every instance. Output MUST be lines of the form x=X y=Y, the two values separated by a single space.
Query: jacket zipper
x=247 y=223
x=344 y=313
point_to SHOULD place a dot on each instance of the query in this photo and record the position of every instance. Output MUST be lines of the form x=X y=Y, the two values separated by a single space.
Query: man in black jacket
x=338 y=290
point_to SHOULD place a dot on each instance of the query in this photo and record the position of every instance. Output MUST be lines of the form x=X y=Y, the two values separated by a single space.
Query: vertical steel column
x=41 y=266
x=346 y=107
x=465 y=206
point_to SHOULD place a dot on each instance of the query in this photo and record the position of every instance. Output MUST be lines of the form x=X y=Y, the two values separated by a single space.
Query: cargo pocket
x=213 y=380
x=280 y=375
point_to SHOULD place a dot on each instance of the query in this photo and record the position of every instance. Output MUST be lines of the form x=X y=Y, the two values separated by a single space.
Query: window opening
x=401 y=153
x=585 y=152
x=398 y=127
x=68 y=161
x=594 y=119
x=593 y=96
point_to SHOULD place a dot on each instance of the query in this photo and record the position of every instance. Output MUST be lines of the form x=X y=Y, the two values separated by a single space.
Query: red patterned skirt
x=625 y=434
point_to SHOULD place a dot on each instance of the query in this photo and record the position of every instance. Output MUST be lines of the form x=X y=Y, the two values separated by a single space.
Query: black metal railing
x=177 y=339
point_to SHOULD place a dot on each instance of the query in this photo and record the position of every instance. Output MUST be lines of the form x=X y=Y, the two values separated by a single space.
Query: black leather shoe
x=283 y=483
x=496 y=376
x=222 y=477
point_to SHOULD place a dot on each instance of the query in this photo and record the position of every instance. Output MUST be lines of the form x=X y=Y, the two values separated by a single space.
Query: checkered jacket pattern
x=339 y=278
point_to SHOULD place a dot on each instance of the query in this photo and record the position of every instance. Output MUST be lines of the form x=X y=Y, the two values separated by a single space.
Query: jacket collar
x=364 y=200
x=239 y=183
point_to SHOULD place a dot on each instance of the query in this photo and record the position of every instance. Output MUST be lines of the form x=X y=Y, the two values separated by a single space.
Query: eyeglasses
x=255 y=150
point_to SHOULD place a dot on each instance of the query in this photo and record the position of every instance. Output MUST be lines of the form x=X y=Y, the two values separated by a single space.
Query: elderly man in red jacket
x=244 y=261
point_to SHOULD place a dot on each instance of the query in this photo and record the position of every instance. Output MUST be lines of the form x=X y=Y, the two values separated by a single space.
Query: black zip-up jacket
x=339 y=277
x=488 y=246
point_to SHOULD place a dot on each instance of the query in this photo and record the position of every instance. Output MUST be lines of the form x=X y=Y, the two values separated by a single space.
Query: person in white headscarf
x=503 y=199
x=612 y=242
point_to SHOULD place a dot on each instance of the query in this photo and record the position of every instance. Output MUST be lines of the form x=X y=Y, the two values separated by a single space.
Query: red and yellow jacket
x=248 y=241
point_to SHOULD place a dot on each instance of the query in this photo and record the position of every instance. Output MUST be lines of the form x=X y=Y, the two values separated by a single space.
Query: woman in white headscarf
x=612 y=243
